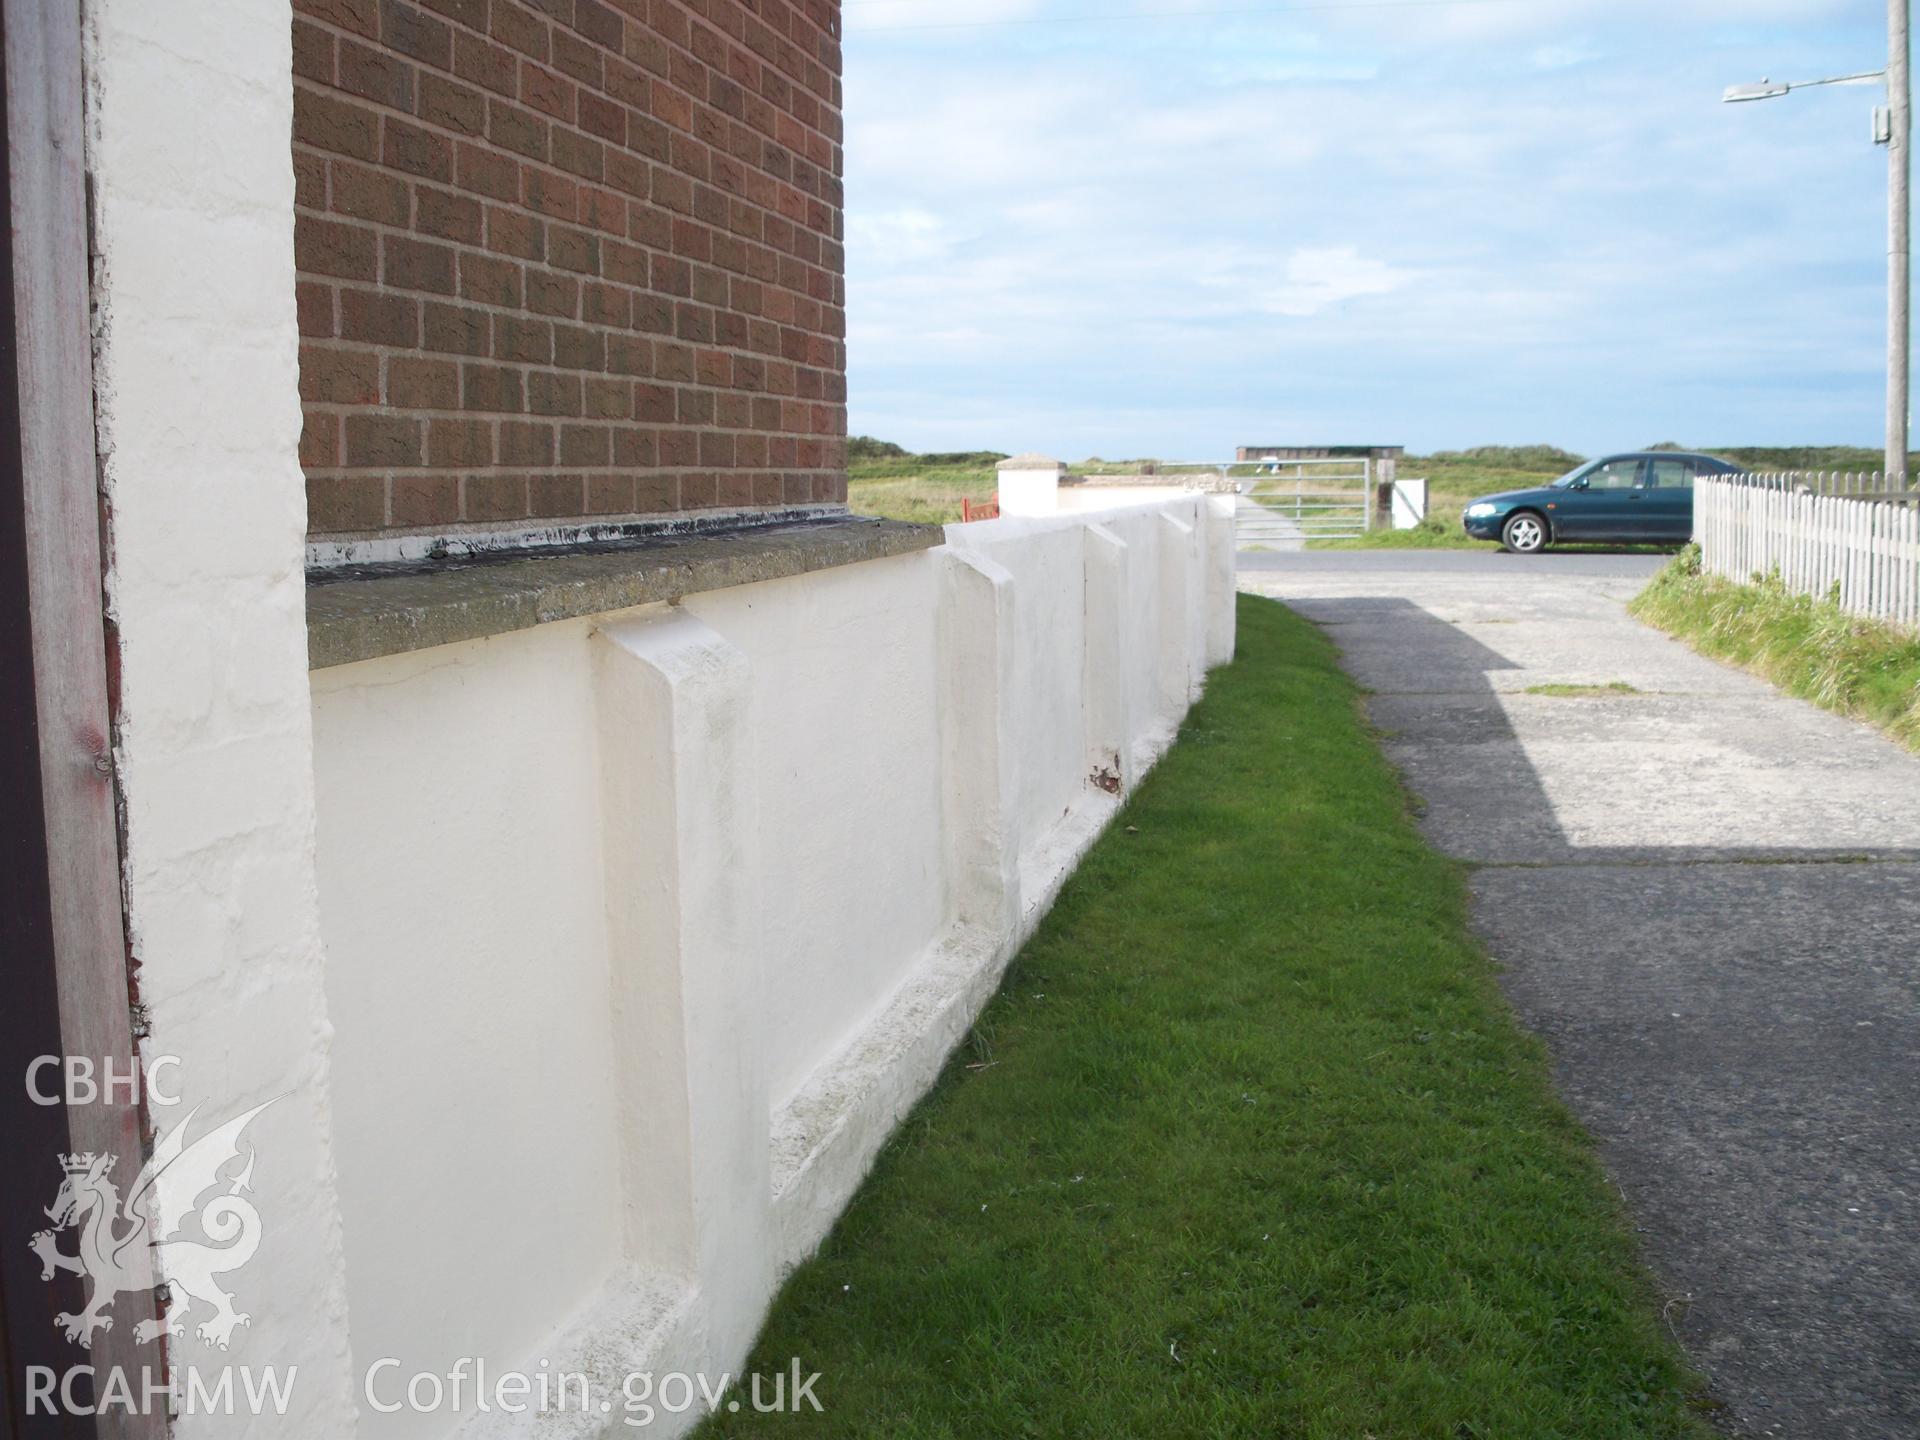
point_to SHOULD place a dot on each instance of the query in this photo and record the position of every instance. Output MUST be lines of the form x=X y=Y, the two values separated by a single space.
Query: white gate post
x=1030 y=485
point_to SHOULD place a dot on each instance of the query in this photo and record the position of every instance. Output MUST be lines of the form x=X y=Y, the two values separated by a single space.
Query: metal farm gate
x=1305 y=499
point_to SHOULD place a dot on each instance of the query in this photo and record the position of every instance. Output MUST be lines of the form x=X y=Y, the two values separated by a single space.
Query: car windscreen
x=1574 y=474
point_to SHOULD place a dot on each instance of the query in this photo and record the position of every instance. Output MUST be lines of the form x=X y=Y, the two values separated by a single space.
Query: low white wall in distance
x=1089 y=497
x=643 y=932
x=1030 y=489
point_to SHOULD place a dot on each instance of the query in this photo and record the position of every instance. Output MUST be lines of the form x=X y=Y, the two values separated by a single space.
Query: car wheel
x=1524 y=534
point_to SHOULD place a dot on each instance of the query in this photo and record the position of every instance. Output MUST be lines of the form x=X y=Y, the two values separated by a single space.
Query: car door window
x=1614 y=475
x=1665 y=508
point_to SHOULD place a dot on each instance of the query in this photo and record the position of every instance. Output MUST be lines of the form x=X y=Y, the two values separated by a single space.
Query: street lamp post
x=1893 y=127
x=1899 y=131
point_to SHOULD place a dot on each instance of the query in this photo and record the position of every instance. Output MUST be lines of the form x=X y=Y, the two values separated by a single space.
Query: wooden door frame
x=66 y=968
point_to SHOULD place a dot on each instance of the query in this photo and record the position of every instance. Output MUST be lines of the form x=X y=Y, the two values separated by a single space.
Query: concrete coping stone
x=362 y=612
x=1030 y=461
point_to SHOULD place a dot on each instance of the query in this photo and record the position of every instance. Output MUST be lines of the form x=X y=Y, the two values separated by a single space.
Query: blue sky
x=1438 y=225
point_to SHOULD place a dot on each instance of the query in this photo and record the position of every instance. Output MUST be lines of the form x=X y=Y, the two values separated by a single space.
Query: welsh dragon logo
x=167 y=1191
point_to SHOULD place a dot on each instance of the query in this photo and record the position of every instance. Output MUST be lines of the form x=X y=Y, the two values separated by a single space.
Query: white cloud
x=1147 y=239
x=1481 y=21
x=1320 y=280
x=895 y=237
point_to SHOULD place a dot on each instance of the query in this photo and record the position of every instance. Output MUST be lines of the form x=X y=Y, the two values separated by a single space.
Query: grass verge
x=1432 y=533
x=890 y=482
x=1249 y=1144
x=1809 y=648
x=1453 y=480
x=930 y=496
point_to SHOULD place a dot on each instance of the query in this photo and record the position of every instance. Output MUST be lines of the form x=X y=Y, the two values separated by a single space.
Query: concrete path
x=1706 y=898
x=1262 y=529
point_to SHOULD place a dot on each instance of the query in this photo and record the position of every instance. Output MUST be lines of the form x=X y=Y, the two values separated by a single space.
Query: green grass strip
x=1249 y=1144
x=1436 y=532
x=1809 y=648
x=1561 y=691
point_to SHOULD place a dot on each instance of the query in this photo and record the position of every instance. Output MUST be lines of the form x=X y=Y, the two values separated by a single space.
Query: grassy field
x=1854 y=459
x=1249 y=1144
x=929 y=494
x=1454 y=478
x=929 y=488
x=1807 y=647
x=888 y=481
x=891 y=482
x=1459 y=476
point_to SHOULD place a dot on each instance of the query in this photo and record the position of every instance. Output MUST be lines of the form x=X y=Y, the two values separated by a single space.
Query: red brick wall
x=566 y=259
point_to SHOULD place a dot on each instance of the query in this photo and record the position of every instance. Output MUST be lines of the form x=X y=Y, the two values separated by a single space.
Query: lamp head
x=1765 y=90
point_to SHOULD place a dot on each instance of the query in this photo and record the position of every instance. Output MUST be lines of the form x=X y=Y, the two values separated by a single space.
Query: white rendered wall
x=624 y=943
x=199 y=420
x=733 y=875
x=1045 y=561
x=464 y=906
x=1151 y=620
x=846 y=749
x=1090 y=496
x=1030 y=491
x=641 y=933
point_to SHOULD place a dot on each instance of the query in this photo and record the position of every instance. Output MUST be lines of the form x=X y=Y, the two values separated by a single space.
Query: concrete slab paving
x=1527 y=779
x=1706 y=897
x=1741 y=1041
x=1471 y=565
x=1480 y=646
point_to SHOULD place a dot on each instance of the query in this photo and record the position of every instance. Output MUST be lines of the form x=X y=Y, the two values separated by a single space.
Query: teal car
x=1635 y=499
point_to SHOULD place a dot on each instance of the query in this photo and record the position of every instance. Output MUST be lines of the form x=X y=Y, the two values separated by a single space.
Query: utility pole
x=1893 y=128
x=1899 y=249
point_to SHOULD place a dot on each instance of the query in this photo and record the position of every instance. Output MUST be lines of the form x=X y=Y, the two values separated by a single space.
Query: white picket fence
x=1847 y=535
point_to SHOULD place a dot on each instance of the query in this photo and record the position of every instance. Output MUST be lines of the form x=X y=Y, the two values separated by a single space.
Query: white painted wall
x=199 y=421
x=1052 y=753
x=464 y=907
x=846 y=753
x=692 y=902
x=1090 y=496
x=1030 y=489
x=594 y=963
